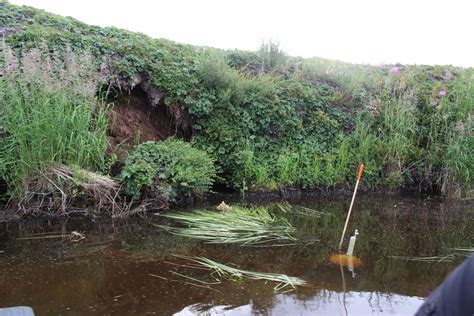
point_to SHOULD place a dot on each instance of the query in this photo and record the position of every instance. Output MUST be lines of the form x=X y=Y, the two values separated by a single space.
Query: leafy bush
x=171 y=167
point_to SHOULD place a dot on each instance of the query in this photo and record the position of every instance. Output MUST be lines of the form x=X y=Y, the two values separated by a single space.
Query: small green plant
x=170 y=165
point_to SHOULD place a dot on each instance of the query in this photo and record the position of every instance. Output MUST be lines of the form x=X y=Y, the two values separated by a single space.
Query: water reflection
x=324 y=303
x=113 y=270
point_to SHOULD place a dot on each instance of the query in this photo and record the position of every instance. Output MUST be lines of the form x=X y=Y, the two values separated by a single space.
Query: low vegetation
x=171 y=168
x=60 y=189
x=268 y=120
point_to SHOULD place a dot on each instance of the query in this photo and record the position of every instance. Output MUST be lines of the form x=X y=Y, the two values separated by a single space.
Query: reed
x=49 y=115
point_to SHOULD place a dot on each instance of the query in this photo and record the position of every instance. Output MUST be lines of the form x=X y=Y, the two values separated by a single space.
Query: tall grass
x=50 y=115
x=451 y=142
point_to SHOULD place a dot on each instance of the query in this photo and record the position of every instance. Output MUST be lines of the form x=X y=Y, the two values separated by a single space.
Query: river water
x=129 y=267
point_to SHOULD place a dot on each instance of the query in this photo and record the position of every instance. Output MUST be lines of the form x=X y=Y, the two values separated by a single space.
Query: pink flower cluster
x=8 y=68
x=394 y=70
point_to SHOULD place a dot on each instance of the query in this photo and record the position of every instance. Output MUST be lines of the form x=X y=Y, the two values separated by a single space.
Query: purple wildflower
x=10 y=67
x=442 y=93
x=1 y=72
x=382 y=65
x=394 y=70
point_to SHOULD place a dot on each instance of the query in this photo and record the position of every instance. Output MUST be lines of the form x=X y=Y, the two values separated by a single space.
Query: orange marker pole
x=361 y=169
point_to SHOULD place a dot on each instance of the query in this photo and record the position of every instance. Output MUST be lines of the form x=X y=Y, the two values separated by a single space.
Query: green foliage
x=412 y=135
x=274 y=121
x=172 y=166
x=50 y=115
x=269 y=113
x=272 y=57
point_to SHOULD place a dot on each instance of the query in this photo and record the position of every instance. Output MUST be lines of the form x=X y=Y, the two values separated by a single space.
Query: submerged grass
x=465 y=249
x=288 y=208
x=245 y=226
x=448 y=257
x=456 y=252
x=222 y=270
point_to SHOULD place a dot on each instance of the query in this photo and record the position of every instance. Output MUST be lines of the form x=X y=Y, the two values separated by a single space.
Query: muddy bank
x=141 y=115
x=342 y=192
x=9 y=213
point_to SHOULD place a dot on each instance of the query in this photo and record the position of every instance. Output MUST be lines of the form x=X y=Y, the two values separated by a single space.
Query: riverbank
x=137 y=122
x=211 y=200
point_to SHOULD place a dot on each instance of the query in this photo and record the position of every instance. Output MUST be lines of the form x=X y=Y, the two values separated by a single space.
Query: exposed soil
x=142 y=116
x=134 y=120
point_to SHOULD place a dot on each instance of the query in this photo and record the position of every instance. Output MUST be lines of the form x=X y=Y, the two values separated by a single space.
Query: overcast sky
x=359 y=31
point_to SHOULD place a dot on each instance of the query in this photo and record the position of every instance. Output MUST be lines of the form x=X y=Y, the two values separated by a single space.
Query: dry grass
x=61 y=188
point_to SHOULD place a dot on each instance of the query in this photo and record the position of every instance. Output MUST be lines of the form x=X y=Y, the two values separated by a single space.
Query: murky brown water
x=126 y=267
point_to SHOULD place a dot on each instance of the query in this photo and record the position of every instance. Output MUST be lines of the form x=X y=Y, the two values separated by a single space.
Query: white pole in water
x=352 y=241
x=361 y=169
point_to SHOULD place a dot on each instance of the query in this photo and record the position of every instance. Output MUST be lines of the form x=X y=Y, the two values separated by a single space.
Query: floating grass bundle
x=465 y=249
x=225 y=271
x=245 y=226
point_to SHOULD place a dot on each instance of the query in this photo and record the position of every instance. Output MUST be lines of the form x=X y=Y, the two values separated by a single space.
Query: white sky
x=359 y=31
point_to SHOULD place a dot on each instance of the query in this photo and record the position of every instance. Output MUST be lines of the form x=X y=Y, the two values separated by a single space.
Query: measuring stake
x=361 y=169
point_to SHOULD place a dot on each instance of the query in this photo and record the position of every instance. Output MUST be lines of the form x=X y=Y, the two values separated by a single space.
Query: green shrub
x=172 y=167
